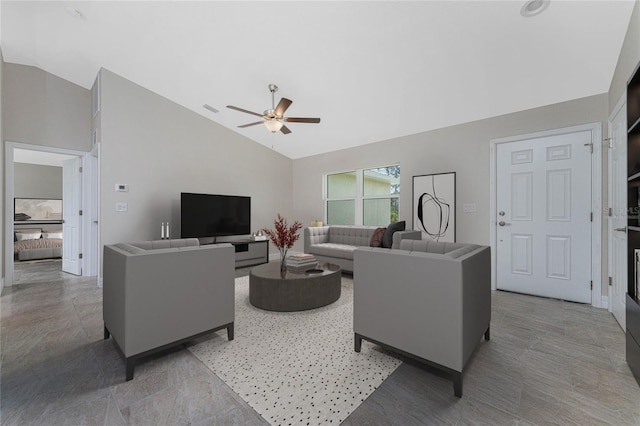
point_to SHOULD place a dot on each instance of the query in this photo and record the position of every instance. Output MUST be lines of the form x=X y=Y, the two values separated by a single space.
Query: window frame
x=359 y=198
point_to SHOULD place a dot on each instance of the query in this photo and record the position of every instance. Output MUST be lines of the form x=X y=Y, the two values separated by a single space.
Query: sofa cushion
x=129 y=248
x=387 y=239
x=462 y=251
x=343 y=251
x=376 y=238
x=351 y=235
x=430 y=246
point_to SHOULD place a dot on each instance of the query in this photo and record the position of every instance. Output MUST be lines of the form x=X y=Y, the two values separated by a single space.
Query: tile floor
x=548 y=361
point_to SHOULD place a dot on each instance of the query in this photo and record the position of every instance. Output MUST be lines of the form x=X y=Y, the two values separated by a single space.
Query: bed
x=37 y=243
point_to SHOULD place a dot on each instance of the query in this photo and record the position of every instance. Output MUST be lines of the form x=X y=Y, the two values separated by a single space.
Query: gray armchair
x=159 y=294
x=430 y=301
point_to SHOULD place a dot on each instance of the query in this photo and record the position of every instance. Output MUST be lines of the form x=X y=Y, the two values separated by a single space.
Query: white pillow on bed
x=28 y=236
x=52 y=235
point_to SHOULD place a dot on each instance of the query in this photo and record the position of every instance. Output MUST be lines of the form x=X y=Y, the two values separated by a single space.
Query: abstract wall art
x=434 y=206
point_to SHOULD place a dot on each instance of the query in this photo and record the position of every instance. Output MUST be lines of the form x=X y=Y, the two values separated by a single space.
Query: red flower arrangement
x=284 y=235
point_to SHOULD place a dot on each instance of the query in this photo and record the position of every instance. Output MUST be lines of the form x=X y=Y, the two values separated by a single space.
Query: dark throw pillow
x=376 y=238
x=387 y=239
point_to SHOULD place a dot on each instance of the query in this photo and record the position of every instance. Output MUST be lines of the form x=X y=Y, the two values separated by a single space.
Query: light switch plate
x=122 y=187
x=469 y=208
x=122 y=207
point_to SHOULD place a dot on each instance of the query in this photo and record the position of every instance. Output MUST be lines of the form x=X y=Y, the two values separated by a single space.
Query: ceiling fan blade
x=251 y=124
x=282 y=107
x=302 y=120
x=244 y=110
x=284 y=129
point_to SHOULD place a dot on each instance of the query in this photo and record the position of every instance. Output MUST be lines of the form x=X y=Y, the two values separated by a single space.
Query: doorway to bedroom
x=38 y=204
x=50 y=197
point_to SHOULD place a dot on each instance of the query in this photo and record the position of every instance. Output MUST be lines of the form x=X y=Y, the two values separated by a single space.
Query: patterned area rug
x=296 y=367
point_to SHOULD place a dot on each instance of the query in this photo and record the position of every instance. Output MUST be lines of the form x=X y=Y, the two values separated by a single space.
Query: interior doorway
x=35 y=186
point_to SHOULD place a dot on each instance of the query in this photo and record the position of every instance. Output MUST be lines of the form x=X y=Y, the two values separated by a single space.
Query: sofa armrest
x=315 y=235
x=405 y=235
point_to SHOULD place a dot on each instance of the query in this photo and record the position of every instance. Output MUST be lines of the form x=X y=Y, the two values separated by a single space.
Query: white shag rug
x=296 y=367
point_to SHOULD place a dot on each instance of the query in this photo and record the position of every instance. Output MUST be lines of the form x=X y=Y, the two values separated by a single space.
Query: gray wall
x=42 y=109
x=1 y=175
x=39 y=108
x=37 y=181
x=161 y=149
x=463 y=149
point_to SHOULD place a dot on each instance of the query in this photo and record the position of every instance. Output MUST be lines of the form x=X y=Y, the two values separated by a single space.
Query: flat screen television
x=208 y=215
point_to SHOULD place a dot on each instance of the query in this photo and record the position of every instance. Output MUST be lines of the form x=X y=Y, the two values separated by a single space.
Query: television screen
x=206 y=215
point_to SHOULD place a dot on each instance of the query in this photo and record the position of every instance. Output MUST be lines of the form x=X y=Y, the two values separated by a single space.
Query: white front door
x=71 y=216
x=618 y=214
x=543 y=212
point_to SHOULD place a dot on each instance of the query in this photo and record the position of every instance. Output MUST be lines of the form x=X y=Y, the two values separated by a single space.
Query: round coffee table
x=295 y=291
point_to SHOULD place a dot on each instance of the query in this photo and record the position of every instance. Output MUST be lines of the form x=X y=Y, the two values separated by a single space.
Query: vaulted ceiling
x=371 y=70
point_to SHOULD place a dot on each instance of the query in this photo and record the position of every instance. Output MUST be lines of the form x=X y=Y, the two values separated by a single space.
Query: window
x=363 y=197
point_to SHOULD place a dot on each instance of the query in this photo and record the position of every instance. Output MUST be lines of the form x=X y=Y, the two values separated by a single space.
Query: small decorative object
x=434 y=206
x=283 y=237
x=164 y=231
x=316 y=223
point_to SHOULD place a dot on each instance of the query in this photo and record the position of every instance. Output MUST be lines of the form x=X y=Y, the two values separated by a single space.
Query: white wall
x=37 y=181
x=162 y=149
x=628 y=59
x=463 y=149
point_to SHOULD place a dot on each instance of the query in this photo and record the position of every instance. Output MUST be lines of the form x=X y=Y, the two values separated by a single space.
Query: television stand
x=250 y=253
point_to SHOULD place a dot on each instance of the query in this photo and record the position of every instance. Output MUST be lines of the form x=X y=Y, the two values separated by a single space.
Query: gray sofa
x=336 y=244
x=426 y=300
x=158 y=294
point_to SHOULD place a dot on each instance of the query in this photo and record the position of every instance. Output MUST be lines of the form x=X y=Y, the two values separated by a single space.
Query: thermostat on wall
x=122 y=187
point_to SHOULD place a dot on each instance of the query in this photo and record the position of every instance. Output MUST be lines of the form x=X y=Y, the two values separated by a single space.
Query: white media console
x=250 y=253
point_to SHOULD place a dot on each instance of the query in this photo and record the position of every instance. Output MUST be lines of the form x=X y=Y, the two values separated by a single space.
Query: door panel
x=543 y=201
x=618 y=218
x=71 y=225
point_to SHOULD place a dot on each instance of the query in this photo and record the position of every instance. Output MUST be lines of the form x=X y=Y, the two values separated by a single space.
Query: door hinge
x=590 y=145
x=610 y=212
x=80 y=169
x=80 y=212
x=610 y=281
x=80 y=256
x=591 y=216
x=591 y=285
x=608 y=142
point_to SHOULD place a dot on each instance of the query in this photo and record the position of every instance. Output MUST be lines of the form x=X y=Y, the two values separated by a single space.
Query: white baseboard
x=604 y=302
x=1 y=285
x=100 y=282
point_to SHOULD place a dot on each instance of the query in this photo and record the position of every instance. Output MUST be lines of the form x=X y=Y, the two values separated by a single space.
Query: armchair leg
x=487 y=334
x=357 y=342
x=230 y=331
x=457 y=384
x=131 y=363
x=106 y=333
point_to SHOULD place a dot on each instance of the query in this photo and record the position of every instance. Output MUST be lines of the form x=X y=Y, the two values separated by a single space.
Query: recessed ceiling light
x=73 y=12
x=210 y=108
x=534 y=7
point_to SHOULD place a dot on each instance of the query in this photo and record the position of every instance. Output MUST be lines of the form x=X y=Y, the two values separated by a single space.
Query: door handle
x=621 y=229
x=503 y=223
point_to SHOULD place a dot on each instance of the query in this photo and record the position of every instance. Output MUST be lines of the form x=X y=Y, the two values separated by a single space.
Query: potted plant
x=283 y=237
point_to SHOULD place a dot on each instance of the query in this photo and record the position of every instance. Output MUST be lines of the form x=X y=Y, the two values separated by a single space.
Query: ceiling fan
x=274 y=118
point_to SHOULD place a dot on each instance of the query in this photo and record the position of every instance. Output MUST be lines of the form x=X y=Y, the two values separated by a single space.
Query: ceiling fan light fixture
x=534 y=7
x=273 y=125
